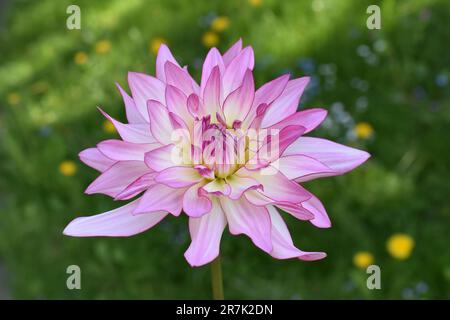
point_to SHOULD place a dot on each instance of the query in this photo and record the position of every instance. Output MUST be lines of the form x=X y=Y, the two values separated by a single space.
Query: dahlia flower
x=219 y=151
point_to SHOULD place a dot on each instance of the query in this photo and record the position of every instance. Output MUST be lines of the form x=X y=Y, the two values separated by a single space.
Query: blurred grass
x=396 y=79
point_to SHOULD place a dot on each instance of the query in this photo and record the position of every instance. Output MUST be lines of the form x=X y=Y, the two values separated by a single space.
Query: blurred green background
x=386 y=90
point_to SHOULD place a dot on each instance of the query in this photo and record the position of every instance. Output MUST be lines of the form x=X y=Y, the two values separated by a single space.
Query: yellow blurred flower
x=255 y=3
x=156 y=43
x=103 y=46
x=68 y=168
x=108 y=127
x=14 y=98
x=400 y=246
x=80 y=57
x=363 y=259
x=363 y=130
x=210 y=39
x=220 y=24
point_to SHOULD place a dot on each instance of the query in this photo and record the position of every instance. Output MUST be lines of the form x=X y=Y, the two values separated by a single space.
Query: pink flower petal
x=338 y=157
x=160 y=123
x=286 y=104
x=161 y=197
x=143 y=88
x=309 y=119
x=211 y=94
x=95 y=159
x=164 y=55
x=212 y=59
x=163 y=158
x=296 y=210
x=134 y=133
x=117 y=178
x=232 y=52
x=179 y=177
x=302 y=167
x=195 y=202
x=266 y=94
x=283 y=247
x=276 y=186
x=238 y=103
x=217 y=187
x=177 y=103
x=137 y=186
x=245 y=218
x=115 y=223
x=133 y=114
x=239 y=185
x=321 y=219
x=123 y=151
x=206 y=233
x=234 y=73
x=176 y=76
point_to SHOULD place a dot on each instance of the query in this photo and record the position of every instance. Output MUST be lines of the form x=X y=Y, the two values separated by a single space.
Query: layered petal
x=337 y=157
x=176 y=76
x=212 y=60
x=133 y=114
x=143 y=88
x=137 y=186
x=119 y=150
x=163 y=56
x=134 y=133
x=235 y=71
x=309 y=119
x=206 y=233
x=232 y=52
x=302 y=168
x=239 y=185
x=119 y=222
x=195 y=202
x=287 y=103
x=238 y=103
x=117 y=177
x=95 y=159
x=179 y=177
x=160 y=123
x=313 y=205
x=160 y=197
x=245 y=218
x=283 y=247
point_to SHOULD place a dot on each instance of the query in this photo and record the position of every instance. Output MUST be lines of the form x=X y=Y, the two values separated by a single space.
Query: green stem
x=216 y=279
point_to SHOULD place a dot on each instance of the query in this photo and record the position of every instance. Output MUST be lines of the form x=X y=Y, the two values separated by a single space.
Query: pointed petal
x=161 y=197
x=177 y=103
x=232 y=52
x=164 y=55
x=212 y=59
x=338 y=157
x=137 y=186
x=160 y=124
x=234 y=73
x=321 y=219
x=238 y=103
x=135 y=133
x=178 y=77
x=163 y=158
x=143 y=88
x=276 y=186
x=117 y=177
x=239 y=185
x=195 y=202
x=266 y=94
x=95 y=159
x=245 y=218
x=206 y=233
x=115 y=223
x=283 y=247
x=133 y=114
x=124 y=151
x=211 y=94
x=287 y=103
x=309 y=119
x=178 y=177
x=303 y=168
x=296 y=210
